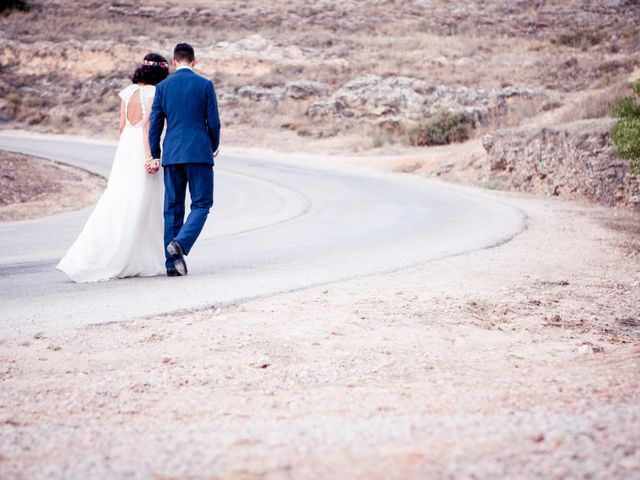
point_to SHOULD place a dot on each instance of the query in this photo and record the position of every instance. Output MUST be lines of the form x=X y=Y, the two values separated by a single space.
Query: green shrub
x=8 y=5
x=443 y=128
x=626 y=131
x=379 y=138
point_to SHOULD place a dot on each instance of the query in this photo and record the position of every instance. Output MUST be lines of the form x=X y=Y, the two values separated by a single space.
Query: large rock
x=574 y=161
x=302 y=89
x=372 y=96
x=252 y=92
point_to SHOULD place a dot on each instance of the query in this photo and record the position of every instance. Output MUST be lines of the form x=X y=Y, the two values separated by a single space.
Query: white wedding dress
x=124 y=235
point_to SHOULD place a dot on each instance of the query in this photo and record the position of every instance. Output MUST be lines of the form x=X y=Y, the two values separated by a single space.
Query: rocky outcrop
x=296 y=90
x=302 y=89
x=258 y=94
x=372 y=96
x=575 y=161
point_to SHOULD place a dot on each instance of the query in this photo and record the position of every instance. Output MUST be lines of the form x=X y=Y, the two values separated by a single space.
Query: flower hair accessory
x=148 y=63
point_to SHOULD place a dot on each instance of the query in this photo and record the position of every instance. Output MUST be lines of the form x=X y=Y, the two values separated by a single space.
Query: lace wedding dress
x=124 y=235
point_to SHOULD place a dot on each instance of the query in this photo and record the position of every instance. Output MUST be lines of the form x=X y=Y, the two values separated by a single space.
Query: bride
x=123 y=236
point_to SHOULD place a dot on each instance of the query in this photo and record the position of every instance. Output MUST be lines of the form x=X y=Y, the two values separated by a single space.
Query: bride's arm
x=145 y=133
x=122 y=117
x=150 y=165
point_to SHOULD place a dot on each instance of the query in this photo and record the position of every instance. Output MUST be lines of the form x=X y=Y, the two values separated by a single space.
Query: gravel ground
x=521 y=361
x=32 y=187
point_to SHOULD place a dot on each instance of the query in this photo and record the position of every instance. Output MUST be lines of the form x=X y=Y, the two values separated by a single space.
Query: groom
x=188 y=103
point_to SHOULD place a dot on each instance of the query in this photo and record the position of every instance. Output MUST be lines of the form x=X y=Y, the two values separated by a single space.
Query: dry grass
x=596 y=104
x=71 y=60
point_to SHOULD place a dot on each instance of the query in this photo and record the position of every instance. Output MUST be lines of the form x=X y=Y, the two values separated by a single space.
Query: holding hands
x=152 y=165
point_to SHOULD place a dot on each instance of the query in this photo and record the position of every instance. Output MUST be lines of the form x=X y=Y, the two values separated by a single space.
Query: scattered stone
x=554 y=321
x=585 y=349
x=154 y=338
x=630 y=463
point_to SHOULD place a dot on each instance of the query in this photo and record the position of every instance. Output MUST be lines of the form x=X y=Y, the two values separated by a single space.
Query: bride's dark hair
x=153 y=69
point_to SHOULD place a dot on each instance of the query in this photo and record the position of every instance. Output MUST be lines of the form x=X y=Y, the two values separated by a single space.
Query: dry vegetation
x=62 y=63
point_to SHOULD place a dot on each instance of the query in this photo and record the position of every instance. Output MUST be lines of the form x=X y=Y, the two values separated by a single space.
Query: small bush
x=626 y=131
x=443 y=128
x=8 y=5
x=379 y=139
x=582 y=39
x=13 y=98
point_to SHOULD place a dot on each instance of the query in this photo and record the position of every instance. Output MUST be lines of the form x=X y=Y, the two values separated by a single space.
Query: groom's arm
x=156 y=124
x=213 y=118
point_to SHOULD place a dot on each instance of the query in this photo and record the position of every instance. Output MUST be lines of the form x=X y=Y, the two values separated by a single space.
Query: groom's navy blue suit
x=188 y=103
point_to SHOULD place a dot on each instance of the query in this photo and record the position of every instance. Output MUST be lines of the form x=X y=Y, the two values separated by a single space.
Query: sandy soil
x=32 y=187
x=519 y=361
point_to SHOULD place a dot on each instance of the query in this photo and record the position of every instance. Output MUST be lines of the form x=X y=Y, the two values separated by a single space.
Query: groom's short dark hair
x=183 y=53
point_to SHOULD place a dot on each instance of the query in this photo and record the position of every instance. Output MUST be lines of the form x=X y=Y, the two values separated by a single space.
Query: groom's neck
x=178 y=65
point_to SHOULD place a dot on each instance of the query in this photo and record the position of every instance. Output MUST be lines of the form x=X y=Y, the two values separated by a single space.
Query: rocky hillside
x=317 y=68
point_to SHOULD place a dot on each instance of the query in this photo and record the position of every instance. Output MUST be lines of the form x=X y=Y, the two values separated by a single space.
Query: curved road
x=275 y=227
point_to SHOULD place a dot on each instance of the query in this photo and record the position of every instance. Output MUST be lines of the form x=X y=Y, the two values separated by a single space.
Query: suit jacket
x=188 y=103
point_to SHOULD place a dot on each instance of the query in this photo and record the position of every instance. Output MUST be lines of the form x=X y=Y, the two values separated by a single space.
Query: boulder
x=252 y=92
x=302 y=89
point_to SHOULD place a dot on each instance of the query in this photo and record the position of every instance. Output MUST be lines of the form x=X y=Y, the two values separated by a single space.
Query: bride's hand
x=152 y=166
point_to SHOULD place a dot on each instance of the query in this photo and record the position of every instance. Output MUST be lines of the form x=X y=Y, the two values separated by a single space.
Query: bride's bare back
x=134 y=110
x=137 y=100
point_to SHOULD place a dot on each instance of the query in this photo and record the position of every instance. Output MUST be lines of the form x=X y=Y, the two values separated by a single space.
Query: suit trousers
x=198 y=178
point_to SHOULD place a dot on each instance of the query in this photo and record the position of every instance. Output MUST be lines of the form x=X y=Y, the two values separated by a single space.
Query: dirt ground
x=33 y=187
x=521 y=361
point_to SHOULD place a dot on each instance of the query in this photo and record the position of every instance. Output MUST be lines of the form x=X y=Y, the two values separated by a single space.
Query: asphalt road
x=276 y=226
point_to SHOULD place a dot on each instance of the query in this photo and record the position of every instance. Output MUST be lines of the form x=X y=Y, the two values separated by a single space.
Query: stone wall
x=574 y=161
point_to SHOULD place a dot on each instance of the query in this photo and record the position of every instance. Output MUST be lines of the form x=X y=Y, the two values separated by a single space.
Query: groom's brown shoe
x=175 y=250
